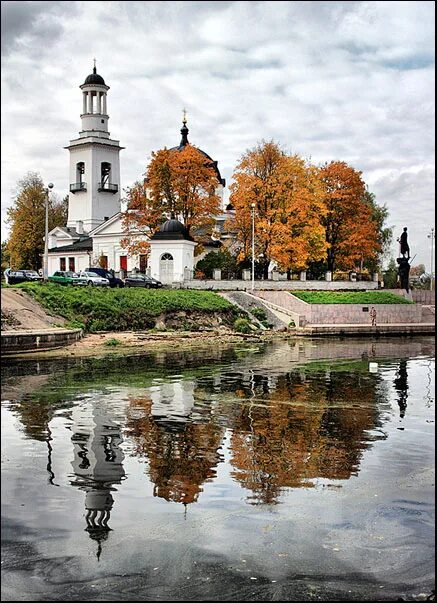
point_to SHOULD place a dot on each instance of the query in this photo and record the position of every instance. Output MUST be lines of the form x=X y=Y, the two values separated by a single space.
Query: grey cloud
x=30 y=24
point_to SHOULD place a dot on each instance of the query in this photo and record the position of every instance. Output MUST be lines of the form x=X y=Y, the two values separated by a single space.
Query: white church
x=94 y=231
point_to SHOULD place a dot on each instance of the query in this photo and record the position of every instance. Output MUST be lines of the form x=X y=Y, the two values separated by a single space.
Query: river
x=297 y=470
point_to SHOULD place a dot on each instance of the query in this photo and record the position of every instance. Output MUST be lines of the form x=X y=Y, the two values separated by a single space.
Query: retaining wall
x=14 y=342
x=268 y=285
x=343 y=313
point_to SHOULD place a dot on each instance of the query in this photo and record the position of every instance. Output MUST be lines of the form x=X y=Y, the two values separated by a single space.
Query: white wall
x=183 y=257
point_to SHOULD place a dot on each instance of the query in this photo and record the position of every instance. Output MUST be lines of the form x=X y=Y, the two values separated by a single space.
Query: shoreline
x=135 y=343
x=139 y=342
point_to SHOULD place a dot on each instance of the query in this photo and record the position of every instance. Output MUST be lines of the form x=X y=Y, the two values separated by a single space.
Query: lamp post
x=253 y=244
x=432 y=236
x=46 y=238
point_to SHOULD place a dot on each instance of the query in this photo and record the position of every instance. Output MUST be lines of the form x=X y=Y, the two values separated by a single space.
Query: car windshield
x=69 y=274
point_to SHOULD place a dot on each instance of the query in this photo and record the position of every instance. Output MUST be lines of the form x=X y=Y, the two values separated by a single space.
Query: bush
x=259 y=313
x=112 y=342
x=242 y=325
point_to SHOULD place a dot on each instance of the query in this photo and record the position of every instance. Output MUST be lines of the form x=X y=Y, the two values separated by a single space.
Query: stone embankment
x=26 y=327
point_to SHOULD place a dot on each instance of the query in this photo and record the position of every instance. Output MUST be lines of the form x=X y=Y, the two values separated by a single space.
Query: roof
x=94 y=78
x=184 y=142
x=84 y=244
x=172 y=230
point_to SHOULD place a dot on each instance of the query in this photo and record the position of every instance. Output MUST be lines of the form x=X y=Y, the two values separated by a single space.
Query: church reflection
x=179 y=437
x=97 y=464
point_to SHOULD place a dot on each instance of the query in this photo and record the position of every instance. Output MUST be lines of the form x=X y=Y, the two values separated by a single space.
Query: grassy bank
x=98 y=309
x=350 y=297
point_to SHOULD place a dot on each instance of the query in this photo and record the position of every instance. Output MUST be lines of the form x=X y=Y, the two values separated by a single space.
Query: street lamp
x=46 y=239
x=252 y=206
x=432 y=236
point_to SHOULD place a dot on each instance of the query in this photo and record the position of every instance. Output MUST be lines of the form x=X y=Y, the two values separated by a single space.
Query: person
x=373 y=316
x=6 y=275
x=403 y=240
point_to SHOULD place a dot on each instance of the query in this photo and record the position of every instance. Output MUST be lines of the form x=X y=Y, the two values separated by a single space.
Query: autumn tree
x=179 y=181
x=27 y=222
x=351 y=226
x=288 y=199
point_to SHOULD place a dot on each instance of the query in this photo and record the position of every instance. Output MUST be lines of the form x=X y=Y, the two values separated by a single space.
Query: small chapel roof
x=172 y=229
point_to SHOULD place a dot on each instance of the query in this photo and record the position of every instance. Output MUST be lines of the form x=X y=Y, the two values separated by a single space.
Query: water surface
x=292 y=471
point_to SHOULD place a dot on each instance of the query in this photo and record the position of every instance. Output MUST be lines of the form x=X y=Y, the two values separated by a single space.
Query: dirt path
x=20 y=312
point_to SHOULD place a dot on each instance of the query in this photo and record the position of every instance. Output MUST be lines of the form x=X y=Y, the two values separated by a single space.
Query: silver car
x=93 y=280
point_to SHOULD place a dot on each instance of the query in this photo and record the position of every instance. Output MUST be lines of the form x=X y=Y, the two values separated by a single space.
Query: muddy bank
x=131 y=342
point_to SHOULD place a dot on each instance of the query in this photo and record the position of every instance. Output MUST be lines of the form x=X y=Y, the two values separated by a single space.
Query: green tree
x=380 y=215
x=27 y=221
x=391 y=275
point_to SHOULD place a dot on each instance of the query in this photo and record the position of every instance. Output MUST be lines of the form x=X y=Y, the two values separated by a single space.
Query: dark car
x=22 y=276
x=141 y=280
x=113 y=280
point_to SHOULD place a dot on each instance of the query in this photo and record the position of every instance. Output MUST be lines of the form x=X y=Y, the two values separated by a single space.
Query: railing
x=106 y=187
x=77 y=186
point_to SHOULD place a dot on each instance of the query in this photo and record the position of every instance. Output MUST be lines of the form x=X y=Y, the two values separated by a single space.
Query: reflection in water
x=299 y=427
x=287 y=430
x=401 y=386
x=180 y=439
x=97 y=464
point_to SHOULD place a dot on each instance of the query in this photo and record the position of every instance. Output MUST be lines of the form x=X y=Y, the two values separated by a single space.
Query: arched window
x=106 y=174
x=80 y=171
x=167 y=256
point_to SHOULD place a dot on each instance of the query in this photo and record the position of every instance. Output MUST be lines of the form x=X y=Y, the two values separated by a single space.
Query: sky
x=347 y=81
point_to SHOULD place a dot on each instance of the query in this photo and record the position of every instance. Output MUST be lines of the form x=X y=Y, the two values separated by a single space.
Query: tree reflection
x=294 y=429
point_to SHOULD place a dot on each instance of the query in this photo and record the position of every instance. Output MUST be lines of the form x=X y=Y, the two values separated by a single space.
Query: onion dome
x=94 y=78
x=184 y=142
x=230 y=207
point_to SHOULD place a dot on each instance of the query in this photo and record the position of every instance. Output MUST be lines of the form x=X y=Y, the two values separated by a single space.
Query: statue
x=404 y=247
x=404 y=273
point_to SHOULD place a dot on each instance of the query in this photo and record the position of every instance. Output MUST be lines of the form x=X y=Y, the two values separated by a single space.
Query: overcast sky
x=349 y=81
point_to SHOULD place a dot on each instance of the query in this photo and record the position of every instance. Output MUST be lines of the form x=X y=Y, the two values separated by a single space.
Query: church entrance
x=166 y=269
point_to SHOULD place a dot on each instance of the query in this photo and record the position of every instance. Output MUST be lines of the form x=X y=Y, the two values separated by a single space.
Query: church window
x=166 y=256
x=105 y=173
x=62 y=263
x=80 y=171
x=71 y=264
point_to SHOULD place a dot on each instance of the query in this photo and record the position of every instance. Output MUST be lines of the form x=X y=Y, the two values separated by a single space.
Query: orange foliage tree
x=180 y=181
x=352 y=233
x=288 y=199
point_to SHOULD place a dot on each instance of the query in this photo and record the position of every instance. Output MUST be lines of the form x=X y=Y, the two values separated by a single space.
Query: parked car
x=21 y=276
x=141 y=280
x=66 y=277
x=113 y=280
x=94 y=280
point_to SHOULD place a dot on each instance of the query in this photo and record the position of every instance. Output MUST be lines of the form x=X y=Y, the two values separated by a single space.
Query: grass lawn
x=350 y=297
x=102 y=309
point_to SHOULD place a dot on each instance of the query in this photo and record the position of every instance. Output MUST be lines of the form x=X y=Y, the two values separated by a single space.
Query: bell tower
x=94 y=161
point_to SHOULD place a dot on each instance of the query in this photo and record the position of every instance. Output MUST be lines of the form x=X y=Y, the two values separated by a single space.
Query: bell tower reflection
x=97 y=464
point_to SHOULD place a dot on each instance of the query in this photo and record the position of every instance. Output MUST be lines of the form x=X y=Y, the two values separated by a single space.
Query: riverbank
x=132 y=343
